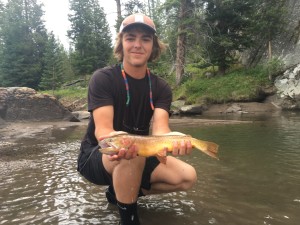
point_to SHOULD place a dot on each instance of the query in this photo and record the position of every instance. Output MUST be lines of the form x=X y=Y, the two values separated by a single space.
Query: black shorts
x=90 y=166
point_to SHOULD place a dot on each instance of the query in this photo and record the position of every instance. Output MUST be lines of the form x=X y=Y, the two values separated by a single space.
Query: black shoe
x=110 y=195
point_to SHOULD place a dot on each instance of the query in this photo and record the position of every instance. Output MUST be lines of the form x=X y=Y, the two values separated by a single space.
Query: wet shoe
x=110 y=195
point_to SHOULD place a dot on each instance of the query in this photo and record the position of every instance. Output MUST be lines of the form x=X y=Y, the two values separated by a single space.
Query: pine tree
x=134 y=6
x=52 y=76
x=269 y=20
x=90 y=36
x=226 y=30
x=234 y=26
x=179 y=25
x=23 y=37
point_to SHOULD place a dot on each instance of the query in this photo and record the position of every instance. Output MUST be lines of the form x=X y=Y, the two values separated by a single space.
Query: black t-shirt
x=107 y=87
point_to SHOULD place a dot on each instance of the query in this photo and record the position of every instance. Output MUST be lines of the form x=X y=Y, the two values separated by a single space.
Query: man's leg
x=175 y=175
x=127 y=175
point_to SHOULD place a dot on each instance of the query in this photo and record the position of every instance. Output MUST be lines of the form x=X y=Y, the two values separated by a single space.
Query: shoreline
x=14 y=131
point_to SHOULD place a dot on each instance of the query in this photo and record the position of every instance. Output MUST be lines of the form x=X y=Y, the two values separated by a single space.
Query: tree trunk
x=119 y=15
x=222 y=69
x=180 y=57
x=270 y=59
x=119 y=9
x=181 y=41
x=149 y=9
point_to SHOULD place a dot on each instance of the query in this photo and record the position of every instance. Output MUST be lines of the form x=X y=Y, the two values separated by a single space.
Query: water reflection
x=256 y=181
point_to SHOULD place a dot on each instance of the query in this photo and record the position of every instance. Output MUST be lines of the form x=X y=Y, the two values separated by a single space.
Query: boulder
x=288 y=88
x=81 y=115
x=25 y=104
x=196 y=109
x=176 y=105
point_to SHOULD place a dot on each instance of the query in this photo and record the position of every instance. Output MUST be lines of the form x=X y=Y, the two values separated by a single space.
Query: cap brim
x=140 y=24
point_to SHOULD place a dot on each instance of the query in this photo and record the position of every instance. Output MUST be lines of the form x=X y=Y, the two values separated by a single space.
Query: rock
x=234 y=108
x=25 y=104
x=288 y=88
x=77 y=105
x=266 y=107
x=176 y=105
x=191 y=109
x=81 y=115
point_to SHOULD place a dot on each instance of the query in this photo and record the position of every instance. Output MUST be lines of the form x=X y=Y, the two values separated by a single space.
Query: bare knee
x=176 y=175
x=189 y=179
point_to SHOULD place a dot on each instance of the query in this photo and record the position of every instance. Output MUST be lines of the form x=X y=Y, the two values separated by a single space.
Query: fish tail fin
x=209 y=148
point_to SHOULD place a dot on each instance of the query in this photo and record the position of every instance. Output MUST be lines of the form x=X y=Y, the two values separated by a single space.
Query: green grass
x=70 y=93
x=238 y=85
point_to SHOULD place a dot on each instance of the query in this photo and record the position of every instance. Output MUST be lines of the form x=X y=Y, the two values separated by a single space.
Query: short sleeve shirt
x=107 y=87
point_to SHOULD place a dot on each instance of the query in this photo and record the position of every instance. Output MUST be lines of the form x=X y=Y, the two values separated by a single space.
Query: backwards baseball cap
x=135 y=19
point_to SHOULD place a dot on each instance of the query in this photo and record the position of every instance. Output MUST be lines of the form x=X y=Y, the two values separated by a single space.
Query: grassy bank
x=72 y=93
x=238 y=85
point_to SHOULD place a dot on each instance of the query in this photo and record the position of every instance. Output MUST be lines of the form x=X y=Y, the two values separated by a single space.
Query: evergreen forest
x=204 y=38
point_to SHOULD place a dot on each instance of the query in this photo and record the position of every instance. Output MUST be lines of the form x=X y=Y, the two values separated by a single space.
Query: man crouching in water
x=126 y=98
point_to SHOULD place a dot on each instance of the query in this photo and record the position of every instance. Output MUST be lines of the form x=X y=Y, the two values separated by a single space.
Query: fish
x=154 y=145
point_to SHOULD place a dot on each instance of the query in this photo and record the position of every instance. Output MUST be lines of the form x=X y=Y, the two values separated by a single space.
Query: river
x=256 y=181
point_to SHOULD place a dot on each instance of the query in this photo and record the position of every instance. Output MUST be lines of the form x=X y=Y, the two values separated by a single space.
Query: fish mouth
x=107 y=147
x=104 y=144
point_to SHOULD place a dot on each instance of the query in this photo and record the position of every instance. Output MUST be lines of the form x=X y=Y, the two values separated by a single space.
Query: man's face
x=137 y=47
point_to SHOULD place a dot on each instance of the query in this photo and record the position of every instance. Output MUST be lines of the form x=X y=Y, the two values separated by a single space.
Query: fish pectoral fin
x=162 y=156
x=162 y=159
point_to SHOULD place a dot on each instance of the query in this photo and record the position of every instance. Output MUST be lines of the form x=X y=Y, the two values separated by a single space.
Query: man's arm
x=103 y=118
x=160 y=122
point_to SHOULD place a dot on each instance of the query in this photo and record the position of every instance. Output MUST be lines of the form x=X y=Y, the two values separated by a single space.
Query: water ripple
x=256 y=181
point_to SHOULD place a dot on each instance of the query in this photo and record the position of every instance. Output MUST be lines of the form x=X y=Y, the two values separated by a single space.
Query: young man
x=126 y=98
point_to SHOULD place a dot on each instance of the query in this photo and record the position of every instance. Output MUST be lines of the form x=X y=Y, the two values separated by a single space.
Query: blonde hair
x=158 y=46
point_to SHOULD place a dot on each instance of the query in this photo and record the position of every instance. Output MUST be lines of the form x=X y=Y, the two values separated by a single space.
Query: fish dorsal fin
x=174 y=133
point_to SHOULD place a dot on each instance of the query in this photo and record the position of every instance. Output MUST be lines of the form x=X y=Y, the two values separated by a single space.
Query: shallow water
x=256 y=181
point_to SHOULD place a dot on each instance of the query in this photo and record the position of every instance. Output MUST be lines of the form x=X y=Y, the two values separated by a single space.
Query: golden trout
x=154 y=145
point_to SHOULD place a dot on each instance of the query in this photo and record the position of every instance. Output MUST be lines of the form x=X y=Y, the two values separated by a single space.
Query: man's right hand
x=123 y=153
